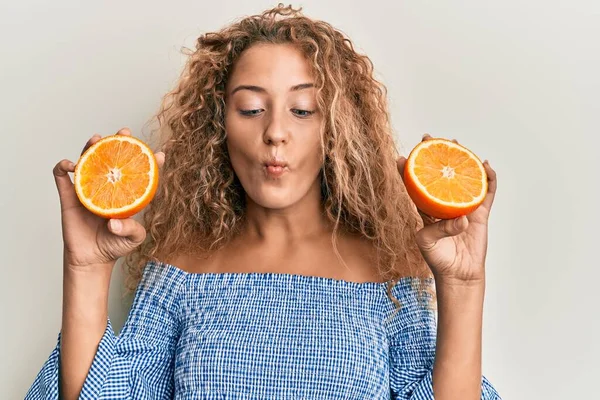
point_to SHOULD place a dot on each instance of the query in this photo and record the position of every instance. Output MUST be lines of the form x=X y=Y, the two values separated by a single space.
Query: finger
x=427 y=219
x=160 y=158
x=400 y=163
x=124 y=131
x=426 y=136
x=455 y=141
x=428 y=237
x=90 y=142
x=492 y=185
x=64 y=185
x=96 y=137
x=127 y=228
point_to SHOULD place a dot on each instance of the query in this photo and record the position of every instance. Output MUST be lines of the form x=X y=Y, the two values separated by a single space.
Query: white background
x=515 y=81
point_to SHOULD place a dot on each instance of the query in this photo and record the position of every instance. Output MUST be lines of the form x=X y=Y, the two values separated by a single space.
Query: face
x=271 y=114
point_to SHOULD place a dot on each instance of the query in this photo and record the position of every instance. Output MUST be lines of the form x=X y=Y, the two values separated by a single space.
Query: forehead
x=270 y=64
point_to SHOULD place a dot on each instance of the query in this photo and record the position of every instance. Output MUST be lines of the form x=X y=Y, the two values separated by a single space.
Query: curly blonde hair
x=199 y=204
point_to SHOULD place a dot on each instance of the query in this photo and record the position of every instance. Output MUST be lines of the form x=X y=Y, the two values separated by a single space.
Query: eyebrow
x=259 y=89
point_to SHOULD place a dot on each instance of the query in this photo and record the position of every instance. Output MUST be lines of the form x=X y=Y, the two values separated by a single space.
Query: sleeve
x=412 y=353
x=137 y=364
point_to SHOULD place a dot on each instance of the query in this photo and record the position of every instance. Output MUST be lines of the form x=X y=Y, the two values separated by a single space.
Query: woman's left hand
x=455 y=249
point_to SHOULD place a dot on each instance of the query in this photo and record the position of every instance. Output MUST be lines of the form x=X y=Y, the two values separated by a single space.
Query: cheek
x=239 y=136
x=233 y=125
x=238 y=154
x=314 y=149
x=242 y=157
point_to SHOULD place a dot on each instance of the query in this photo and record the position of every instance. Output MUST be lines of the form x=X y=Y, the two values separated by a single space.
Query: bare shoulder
x=366 y=250
x=358 y=254
x=191 y=263
x=361 y=254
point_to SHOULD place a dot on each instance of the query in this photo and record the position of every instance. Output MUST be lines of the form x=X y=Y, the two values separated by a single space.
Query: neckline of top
x=277 y=277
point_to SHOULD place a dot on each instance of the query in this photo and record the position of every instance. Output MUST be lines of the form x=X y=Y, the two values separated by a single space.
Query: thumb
x=127 y=228
x=430 y=234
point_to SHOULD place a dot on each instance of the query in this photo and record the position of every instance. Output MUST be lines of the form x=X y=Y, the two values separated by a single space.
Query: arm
x=139 y=363
x=457 y=367
x=420 y=354
x=85 y=315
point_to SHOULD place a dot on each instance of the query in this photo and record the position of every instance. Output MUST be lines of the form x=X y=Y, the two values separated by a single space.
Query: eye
x=250 y=113
x=305 y=114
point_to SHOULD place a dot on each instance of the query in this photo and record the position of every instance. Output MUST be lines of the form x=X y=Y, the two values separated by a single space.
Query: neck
x=300 y=222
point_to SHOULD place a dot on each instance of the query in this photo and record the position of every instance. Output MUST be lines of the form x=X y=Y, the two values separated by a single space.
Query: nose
x=276 y=131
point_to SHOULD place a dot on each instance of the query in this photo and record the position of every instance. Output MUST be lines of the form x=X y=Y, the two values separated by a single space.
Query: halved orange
x=116 y=177
x=445 y=179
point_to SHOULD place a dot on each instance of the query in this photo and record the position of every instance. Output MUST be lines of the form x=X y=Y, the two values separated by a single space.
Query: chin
x=273 y=198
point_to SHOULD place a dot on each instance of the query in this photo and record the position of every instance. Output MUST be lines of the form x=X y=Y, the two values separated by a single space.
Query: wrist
x=72 y=265
x=95 y=272
x=442 y=280
x=459 y=297
x=85 y=296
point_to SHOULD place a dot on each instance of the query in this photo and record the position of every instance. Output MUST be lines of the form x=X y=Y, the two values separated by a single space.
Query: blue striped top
x=261 y=336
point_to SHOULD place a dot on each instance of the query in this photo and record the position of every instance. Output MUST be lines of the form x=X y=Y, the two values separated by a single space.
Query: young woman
x=316 y=280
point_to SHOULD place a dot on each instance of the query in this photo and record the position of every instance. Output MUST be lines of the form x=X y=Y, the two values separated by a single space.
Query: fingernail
x=458 y=222
x=115 y=225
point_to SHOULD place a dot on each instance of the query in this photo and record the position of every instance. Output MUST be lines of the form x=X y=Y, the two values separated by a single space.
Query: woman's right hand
x=90 y=240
